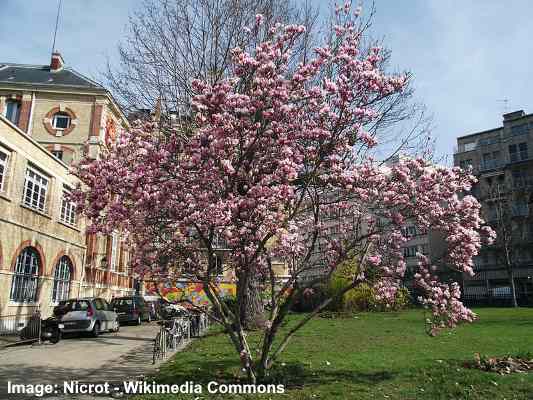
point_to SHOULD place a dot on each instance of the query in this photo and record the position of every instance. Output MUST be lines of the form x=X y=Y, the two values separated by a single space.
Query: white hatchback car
x=91 y=315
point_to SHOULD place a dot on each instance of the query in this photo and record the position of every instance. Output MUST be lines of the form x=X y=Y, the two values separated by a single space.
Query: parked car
x=91 y=315
x=131 y=309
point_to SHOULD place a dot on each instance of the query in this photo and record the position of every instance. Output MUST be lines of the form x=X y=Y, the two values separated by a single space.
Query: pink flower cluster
x=265 y=144
x=442 y=299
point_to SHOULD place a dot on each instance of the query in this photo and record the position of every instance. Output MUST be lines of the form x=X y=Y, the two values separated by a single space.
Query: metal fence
x=496 y=300
x=20 y=328
x=177 y=332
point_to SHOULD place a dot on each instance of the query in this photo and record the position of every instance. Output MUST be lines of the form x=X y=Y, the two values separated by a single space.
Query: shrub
x=401 y=301
x=306 y=301
x=359 y=299
x=362 y=298
x=230 y=302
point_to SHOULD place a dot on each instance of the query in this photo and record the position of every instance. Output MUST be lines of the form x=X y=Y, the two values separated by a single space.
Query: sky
x=466 y=56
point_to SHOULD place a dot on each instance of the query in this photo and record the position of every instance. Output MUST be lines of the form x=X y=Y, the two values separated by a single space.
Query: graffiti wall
x=190 y=291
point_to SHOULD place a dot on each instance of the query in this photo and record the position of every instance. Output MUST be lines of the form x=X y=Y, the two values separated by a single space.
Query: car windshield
x=122 y=302
x=77 y=305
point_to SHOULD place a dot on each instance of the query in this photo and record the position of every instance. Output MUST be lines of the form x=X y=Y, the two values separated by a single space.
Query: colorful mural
x=190 y=291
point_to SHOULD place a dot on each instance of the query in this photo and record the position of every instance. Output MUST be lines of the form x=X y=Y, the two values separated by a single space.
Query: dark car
x=91 y=315
x=131 y=309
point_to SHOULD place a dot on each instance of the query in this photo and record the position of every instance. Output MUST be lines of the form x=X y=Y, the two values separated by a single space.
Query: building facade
x=334 y=221
x=43 y=246
x=50 y=117
x=502 y=160
x=69 y=114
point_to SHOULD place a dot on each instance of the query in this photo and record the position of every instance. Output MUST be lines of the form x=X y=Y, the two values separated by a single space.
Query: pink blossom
x=267 y=145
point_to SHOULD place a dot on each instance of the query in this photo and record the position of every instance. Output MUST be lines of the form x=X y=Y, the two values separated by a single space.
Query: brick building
x=51 y=116
x=64 y=111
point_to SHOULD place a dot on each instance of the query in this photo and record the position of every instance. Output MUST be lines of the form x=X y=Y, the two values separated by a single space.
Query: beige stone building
x=50 y=117
x=64 y=111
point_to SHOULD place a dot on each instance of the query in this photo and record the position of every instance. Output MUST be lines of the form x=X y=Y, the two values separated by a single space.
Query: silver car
x=91 y=315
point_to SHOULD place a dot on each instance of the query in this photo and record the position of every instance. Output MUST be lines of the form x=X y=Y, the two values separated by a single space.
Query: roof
x=480 y=133
x=518 y=115
x=17 y=74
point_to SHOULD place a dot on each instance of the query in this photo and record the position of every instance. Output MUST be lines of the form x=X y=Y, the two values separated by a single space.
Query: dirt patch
x=502 y=365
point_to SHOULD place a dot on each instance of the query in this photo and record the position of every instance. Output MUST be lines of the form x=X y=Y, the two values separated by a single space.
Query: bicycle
x=160 y=344
x=178 y=332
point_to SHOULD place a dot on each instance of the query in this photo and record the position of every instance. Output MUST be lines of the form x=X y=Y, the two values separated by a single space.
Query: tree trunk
x=513 y=288
x=252 y=312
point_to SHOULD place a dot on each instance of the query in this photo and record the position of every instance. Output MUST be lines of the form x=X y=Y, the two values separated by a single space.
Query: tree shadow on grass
x=292 y=375
x=506 y=322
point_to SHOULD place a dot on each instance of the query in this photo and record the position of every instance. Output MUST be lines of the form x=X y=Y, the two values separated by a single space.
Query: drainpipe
x=82 y=272
x=31 y=113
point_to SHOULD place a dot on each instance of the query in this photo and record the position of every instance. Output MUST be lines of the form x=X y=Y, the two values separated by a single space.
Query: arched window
x=62 y=275
x=25 y=278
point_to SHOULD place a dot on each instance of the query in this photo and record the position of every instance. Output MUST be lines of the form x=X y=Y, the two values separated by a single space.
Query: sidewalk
x=112 y=357
x=6 y=340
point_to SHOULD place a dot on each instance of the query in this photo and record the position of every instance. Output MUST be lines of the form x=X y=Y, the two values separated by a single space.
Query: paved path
x=112 y=357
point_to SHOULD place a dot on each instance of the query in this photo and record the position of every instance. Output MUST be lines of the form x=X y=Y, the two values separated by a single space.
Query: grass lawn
x=374 y=356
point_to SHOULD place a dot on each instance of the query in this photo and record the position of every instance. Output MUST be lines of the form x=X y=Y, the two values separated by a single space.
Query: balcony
x=490 y=165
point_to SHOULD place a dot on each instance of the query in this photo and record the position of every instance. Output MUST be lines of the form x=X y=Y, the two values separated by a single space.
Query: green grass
x=374 y=356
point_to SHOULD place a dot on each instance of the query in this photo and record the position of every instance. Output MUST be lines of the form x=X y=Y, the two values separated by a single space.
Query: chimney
x=57 y=62
x=513 y=115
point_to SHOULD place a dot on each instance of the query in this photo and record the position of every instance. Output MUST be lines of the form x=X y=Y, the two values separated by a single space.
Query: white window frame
x=40 y=182
x=17 y=111
x=4 y=170
x=62 y=279
x=55 y=154
x=113 y=255
x=24 y=283
x=67 y=213
x=61 y=115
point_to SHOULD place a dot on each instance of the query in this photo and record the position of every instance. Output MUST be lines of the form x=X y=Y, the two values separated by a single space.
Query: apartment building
x=334 y=221
x=502 y=160
x=52 y=116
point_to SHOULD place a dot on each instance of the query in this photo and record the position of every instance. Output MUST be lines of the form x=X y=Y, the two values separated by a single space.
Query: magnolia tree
x=275 y=148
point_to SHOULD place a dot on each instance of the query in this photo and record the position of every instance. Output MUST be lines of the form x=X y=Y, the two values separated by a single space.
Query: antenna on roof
x=57 y=24
x=505 y=104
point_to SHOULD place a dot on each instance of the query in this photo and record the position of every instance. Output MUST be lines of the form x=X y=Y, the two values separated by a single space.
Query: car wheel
x=56 y=336
x=96 y=329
